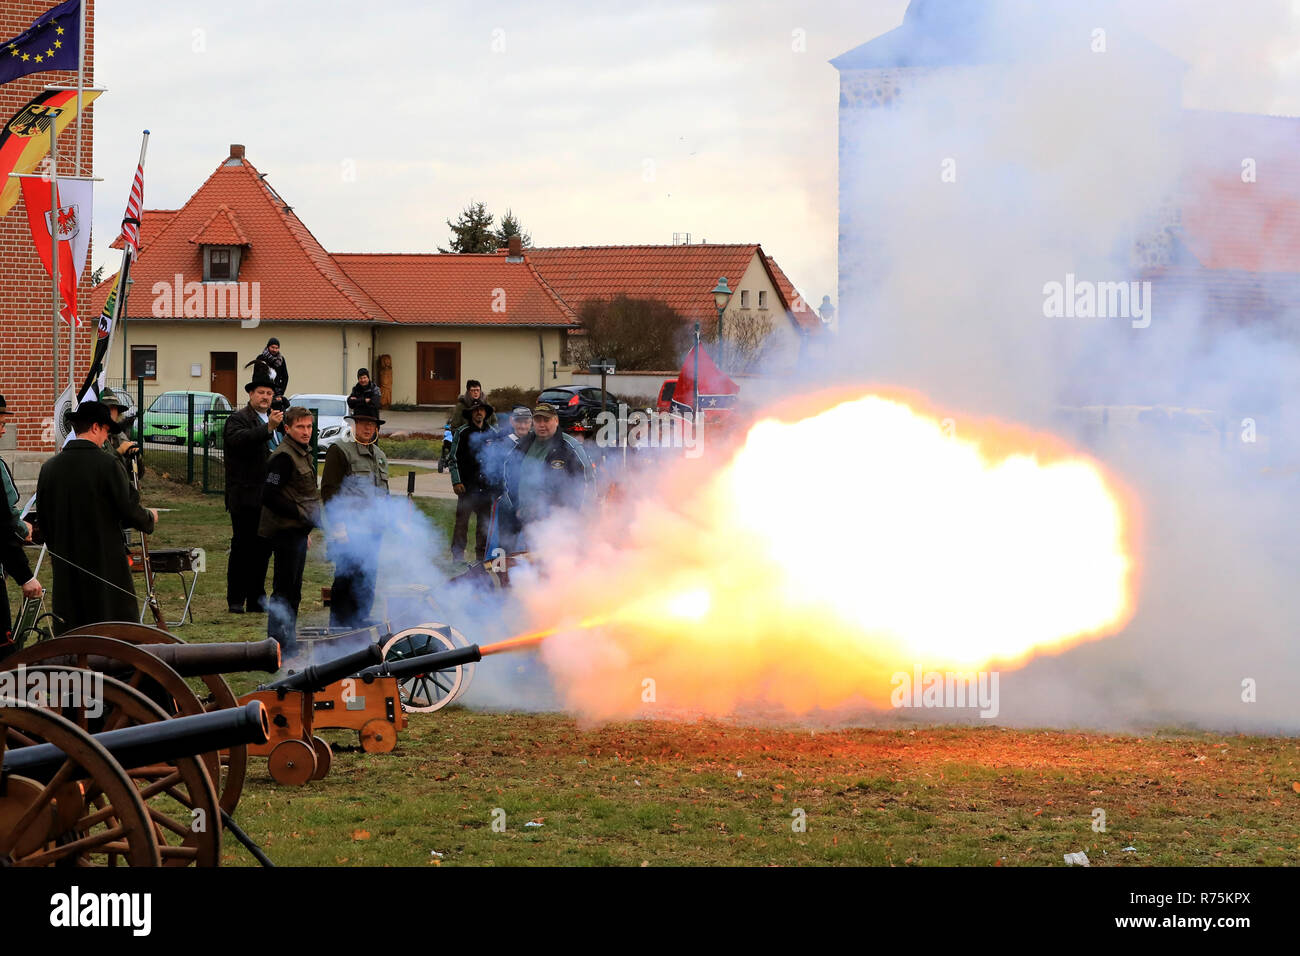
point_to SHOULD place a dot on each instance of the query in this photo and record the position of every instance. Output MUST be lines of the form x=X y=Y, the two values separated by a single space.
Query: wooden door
x=438 y=373
x=225 y=374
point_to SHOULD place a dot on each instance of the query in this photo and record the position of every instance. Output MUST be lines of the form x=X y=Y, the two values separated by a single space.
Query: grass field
x=465 y=784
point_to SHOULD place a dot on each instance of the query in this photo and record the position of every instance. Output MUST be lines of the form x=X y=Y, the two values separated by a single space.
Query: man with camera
x=250 y=436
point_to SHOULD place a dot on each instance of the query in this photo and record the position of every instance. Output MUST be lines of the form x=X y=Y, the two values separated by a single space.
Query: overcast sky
x=598 y=123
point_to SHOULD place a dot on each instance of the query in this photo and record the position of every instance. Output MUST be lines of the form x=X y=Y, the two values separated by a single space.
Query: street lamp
x=721 y=296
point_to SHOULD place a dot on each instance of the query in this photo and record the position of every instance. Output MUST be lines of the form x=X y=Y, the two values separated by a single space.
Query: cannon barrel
x=193 y=660
x=320 y=676
x=423 y=664
x=157 y=742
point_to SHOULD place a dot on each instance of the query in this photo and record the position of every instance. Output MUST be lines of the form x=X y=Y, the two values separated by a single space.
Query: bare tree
x=636 y=334
x=748 y=335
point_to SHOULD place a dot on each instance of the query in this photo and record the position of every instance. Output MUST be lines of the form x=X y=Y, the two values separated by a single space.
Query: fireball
x=831 y=552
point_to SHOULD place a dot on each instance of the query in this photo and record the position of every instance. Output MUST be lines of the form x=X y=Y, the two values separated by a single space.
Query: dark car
x=578 y=406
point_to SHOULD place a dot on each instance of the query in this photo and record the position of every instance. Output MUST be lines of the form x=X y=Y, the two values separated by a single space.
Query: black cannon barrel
x=192 y=660
x=195 y=660
x=423 y=664
x=320 y=676
x=153 y=743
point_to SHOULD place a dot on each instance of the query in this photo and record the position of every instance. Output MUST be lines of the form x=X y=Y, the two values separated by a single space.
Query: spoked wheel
x=143 y=672
x=219 y=696
x=51 y=822
x=179 y=794
x=425 y=693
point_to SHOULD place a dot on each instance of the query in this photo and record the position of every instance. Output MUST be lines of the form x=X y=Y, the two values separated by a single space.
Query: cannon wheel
x=76 y=651
x=324 y=757
x=172 y=791
x=425 y=693
x=119 y=831
x=234 y=762
x=292 y=762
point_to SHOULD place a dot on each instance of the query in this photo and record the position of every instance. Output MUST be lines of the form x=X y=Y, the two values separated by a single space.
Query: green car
x=167 y=419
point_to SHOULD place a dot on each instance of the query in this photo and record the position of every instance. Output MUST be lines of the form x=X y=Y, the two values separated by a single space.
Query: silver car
x=330 y=410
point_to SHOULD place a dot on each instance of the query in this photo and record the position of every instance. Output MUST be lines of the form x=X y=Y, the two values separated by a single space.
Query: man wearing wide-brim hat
x=249 y=436
x=354 y=489
x=13 y=559
x=83 y=501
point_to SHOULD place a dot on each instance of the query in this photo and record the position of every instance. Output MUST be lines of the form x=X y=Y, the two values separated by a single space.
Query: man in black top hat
x=249 y=437
x=271 y=365
x=13 y=532
x=83 y=501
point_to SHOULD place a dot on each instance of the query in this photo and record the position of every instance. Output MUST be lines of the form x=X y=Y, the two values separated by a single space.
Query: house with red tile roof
x=235 y=265
x=684 y=276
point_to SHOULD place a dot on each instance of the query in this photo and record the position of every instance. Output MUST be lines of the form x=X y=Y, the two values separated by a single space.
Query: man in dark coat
x=365 y=392
x=271 y=365
x=13 y=532
x=83 y=501
x=290 y=510
x=250 y=435
x=460 y=417
x=474 y=478
x=544 y=471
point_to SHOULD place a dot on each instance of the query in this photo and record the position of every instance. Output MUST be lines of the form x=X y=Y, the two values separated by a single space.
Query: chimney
x=236 y=151
x=515 y=249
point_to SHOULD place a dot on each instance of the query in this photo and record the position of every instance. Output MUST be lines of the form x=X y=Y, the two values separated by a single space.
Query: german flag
x=26 y=137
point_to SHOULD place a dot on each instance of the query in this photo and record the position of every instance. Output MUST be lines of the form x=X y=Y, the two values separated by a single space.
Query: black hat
x=272 y=341
x=363 y=371
x=478 y=403
x=365 y=411
x=91 y=413
x=521 y=413
x=260 y=380
x=4 y=408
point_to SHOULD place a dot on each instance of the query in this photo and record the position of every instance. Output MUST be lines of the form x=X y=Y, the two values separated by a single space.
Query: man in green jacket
x=290 y=510
x=353 y=486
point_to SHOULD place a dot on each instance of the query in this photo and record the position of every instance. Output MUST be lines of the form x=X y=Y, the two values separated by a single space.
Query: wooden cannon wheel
x=149 y=675
x=53 y=823
x=292 y=762
x=425 y=693
x=179 y=795
x=234 y=762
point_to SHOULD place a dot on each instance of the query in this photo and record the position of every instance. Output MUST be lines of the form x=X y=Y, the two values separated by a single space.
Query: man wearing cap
x=271 y=365
x=16 y=531
x=83 y=501
x=365 y=391
x=353 y=485
x=545 y=471
x=475 y=475
x=521 y=424
x=249 y=437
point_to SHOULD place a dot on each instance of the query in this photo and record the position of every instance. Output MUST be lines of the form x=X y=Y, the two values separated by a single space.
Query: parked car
x=167 y=417
x=578 y=405
x=330 y=425
x=665 y=400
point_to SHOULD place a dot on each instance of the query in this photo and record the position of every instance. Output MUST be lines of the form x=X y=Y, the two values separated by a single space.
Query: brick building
x=27 y=378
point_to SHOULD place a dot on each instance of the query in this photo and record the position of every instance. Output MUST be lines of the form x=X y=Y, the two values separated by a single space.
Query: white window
x=744 y=298
x=762 y=298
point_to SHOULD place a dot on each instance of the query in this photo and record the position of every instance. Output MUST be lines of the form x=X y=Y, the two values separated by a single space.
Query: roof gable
x=221 y=229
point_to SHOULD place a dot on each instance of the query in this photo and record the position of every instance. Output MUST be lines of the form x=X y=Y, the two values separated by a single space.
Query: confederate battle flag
x=717 y=390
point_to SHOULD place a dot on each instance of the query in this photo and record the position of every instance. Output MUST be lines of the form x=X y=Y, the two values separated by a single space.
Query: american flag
x=131 y=222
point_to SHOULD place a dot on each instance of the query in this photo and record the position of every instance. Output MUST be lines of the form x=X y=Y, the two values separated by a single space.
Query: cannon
x=361 y=692
x=136 y=658
x=71 y=797
x=294 y=754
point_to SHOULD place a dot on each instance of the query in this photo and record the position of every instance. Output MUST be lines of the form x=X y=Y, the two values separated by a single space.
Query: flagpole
x=695 y=398
x=54 y=243
x=81 y=80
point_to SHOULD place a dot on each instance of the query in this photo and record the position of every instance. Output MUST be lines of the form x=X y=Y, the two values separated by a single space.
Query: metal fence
x=182 y=433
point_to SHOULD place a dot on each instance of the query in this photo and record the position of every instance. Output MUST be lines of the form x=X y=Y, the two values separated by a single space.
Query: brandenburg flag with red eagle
x=72 y=220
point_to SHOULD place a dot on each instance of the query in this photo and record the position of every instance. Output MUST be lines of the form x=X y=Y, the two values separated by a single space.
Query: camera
x=279 y=404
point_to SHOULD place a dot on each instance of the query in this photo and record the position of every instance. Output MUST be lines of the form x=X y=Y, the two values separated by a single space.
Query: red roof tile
x=455 y=289
x=152 y=222
x=298 y=279
x=678 y=275
x=221 y=229
x=804 y=315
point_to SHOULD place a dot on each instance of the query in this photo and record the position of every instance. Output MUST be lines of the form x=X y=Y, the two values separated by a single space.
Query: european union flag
x=51 y=43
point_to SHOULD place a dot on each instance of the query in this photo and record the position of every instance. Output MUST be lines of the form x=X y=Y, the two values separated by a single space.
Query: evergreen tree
x=472 y=232
x=510 y=227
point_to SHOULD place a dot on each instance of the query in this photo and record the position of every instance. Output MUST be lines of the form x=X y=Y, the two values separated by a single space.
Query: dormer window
x=220 y=263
